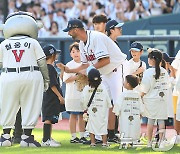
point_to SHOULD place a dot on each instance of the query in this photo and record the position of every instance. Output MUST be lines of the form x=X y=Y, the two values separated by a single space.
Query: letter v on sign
x=18 y=57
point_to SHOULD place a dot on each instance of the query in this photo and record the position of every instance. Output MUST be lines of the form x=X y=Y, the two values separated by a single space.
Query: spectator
x=176 y=8
x=157 y=7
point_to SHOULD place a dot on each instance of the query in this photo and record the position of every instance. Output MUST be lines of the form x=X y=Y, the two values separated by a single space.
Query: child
x=129 y=109
x=52 y=100
x=72 y=97
x=154 y=86
x=98 y=109
x=137 y=67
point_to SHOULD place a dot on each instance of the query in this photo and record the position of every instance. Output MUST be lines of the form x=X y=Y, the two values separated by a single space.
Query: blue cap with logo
x=74 y=23
x=136 y=46
x=49 y=50
x=167 y=58
x=113 y=23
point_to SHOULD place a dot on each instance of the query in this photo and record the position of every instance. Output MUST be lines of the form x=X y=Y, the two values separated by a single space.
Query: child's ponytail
x=157 y=56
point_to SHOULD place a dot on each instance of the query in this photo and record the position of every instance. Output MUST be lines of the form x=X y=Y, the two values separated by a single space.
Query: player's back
x=20 y=51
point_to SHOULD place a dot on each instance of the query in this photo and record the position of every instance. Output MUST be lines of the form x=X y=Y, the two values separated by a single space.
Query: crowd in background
x=55 y=13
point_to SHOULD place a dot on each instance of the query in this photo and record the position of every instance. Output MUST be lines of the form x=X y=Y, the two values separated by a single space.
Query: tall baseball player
x=100 y=52
x=24 y=67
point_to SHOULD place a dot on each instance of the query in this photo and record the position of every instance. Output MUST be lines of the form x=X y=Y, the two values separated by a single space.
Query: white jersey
x=17 y=52
x=20 y=86
x=98 y=110
x=72 y=96
x=156 y=93
x=129 y=108
x=98 y=46
x=133 y=66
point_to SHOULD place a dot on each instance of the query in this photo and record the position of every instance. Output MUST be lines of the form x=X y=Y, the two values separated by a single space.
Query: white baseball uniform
x=129 y=108
x=21 y=83
x=98 y=110
x=98 y=46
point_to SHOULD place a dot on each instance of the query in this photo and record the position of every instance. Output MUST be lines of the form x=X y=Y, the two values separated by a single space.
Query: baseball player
x=100 y=52
x=24 y=67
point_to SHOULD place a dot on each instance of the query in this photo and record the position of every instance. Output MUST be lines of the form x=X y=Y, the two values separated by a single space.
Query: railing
x=167 y=43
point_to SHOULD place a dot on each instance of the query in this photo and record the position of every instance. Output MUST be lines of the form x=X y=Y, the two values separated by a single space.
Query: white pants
x=23 y=90
x=114 y=81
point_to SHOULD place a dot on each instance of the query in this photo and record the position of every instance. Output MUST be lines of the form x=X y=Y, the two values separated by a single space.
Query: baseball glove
x=81 y=81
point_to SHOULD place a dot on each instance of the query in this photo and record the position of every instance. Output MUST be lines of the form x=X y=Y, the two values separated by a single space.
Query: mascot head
x=20 y=23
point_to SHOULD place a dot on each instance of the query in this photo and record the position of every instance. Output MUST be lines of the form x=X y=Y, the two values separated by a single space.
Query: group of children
x=147 y=94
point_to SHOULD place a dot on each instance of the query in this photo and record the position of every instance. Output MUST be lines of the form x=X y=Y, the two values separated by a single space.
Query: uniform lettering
x=90 y=57
x=130 y=98
x=17 y=45
x=18 y=57
x=26 y=44
x=8 y=46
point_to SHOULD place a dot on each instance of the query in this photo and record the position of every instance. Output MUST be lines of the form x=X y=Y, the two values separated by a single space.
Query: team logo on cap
x=51 y=51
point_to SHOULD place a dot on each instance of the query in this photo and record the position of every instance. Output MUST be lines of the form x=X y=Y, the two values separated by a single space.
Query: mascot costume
x=23 y=66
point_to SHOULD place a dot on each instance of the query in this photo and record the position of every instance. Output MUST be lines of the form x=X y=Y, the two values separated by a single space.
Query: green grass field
x=67 y=148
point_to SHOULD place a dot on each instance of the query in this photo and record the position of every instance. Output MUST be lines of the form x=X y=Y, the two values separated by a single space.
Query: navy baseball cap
x=94 y=75
x=74 y=23
x=113 y=23
x=167 y=58
x=49 y=50
x=136 y=46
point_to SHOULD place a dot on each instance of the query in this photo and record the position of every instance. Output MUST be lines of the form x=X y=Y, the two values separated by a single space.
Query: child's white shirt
x=98 y=110
x=133 y=66
x=156 y=93
x=129 y=108
x=72 y=96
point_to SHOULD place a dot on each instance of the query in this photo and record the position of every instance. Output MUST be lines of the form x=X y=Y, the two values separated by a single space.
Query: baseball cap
x=167 y=58
x=136 y=46
x=94 y=75
x=49 y=50
x=74 y=23
x=113 y=23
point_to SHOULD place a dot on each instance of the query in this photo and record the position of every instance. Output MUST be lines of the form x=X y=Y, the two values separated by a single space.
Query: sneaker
x=50 y=143
x=5 y=140
x=88 y=142
x=76 y=140
x=105 y=145
x=92 y=145
x=82 y=140
x=55 y=141
x=113 y=140
x=28 y=141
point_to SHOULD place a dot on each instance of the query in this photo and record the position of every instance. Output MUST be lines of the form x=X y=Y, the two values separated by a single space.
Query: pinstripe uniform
x=99 y=46
x=21 y=81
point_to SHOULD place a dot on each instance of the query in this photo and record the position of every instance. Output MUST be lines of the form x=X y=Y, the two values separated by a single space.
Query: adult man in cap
x=114 y=29
x=100 y=52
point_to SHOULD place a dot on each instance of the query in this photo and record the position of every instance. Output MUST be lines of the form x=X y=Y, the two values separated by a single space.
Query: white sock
x=81 y=134
x=73 y=136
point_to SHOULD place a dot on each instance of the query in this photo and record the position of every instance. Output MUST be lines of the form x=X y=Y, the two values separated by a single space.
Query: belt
x=21 y=69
